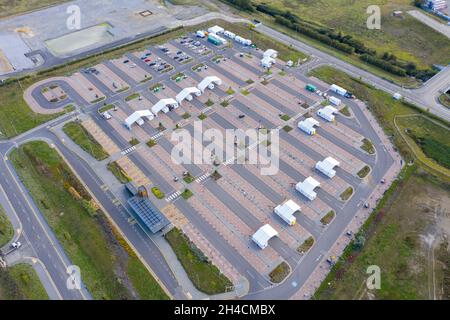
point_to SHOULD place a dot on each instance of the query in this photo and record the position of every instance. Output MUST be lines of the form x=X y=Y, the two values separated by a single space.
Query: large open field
x=12 y=7
x=405 y=37
x=21 y=282
x=110 y=268
x=404 y=240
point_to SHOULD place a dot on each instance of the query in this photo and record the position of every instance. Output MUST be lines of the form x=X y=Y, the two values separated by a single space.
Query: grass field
x=405 y=37
x=387 y=110
x=205 y=276
x=394 y=241
x=106 y=263
x=85 y=140
x=21 y=282
x=12 y=7
x=6 y=229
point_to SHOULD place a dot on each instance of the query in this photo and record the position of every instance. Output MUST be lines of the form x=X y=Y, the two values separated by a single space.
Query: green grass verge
x=6 y=228
x=202 y=116
x=205 y=276
x=287 y=128
x=132 y=96
x=363 y=172
x=326 y=219
x=346 y=194
x=151 y=143
x=306 y=245
x=84 y=232
x=21 y=282
x=280 y=272
x=85 y=140
x=188 y=178
x=209 y=103
x=230 y=91
x=367 y=146
x=187 y=194
x=157 y=193
x=118 y=172
x=444 y=99
x=285 y=117
x=134 y=141
x=106 y=108
x=345 y=111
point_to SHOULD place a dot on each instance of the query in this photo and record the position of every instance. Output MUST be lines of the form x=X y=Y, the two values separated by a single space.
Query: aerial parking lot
x=132 y=108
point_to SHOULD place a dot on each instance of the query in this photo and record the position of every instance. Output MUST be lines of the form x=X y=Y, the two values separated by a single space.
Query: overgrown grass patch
x=367 y=146
x=118 y=172
x=346 y=194
x=326 y=219
x=85 y=140
x=157 y=193
x=204 y=275
x=280 y=272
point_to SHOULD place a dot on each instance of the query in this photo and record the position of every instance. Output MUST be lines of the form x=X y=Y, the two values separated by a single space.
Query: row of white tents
x=217 y=30
x=169 y=104
x=286 y=211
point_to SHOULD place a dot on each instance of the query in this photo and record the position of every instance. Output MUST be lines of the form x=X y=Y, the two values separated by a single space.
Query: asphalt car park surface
x=228 y=211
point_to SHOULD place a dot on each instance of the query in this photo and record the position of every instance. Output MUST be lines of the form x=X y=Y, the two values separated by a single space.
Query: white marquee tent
x=307 y=187
x=187 y=93
x=326 y=166
x=263 y=235
x=327 y=113
x=308 y=125
x=164 y=105
x=286 y=211
x=137 y=117
x=209 y=82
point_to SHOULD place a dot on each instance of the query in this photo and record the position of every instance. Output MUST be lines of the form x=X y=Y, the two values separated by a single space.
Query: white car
x=16 y=245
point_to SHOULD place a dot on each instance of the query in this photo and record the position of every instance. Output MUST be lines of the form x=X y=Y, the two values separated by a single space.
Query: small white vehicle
x=16 y=245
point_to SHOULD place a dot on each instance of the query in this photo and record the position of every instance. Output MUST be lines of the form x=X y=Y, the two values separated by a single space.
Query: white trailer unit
x=229 y=34
x=335 y=101
x=339 y=90
x=201 y=34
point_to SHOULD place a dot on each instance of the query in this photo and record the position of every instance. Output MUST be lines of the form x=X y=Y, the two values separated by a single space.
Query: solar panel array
x=148 y=213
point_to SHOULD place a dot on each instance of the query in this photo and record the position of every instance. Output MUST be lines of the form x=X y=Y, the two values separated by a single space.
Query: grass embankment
x=388 y=111
x=392 y=239
x=367 y=146
x=85 y=140
x=6 y=228
x=109 y=268
x=204 y=275
x=21 y=282
x=118 y=172
x=444 y=99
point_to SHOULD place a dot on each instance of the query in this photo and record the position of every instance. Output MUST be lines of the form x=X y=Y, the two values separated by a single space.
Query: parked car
x=126 y=61
x=16 y=245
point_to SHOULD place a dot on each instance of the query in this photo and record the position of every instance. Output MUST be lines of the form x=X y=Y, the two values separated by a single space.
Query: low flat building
x=307 y=187
x=263 y=235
